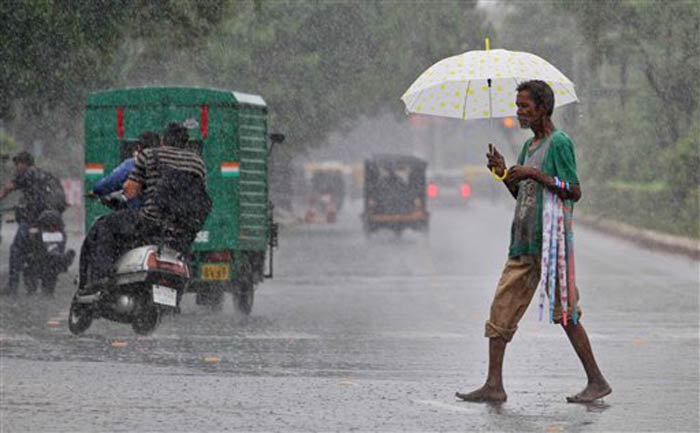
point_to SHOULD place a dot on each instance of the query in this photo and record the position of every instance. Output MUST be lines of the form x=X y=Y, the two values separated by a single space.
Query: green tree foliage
x=682 y=165
x=8 y=145
x=54 y=52
x=50 y=50
x=661 y=41
x=319 y=65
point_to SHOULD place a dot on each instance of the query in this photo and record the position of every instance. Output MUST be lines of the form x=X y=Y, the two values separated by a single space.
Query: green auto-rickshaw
x=233 y=251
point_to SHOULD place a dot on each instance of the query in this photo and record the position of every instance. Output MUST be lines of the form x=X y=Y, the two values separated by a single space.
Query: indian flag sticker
x=230 y=169
x=94 y=170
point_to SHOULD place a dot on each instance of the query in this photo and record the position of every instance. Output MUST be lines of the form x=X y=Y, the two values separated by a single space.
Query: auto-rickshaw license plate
x=215 y=272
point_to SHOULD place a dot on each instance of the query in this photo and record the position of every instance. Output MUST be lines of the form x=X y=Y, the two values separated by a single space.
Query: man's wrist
x=539 y=177
x=500 y=176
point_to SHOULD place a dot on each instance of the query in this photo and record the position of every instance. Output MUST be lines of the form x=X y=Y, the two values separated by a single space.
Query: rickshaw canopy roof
x=326 y=166
x=139 y=96
x=395 y=159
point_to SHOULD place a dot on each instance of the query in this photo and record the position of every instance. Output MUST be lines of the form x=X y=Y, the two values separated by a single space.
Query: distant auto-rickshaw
x=395 y=194
x=327 y=191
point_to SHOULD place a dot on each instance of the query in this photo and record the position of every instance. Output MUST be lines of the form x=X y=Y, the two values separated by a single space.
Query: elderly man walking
x=547 y=161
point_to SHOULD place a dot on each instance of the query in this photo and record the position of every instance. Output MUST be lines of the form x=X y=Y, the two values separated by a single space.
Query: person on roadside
x=115 y=232
x=35 y=184
x=549 y=154
x=115 y=180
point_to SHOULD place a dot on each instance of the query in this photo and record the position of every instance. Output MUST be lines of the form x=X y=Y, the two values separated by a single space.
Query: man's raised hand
x=496 y=162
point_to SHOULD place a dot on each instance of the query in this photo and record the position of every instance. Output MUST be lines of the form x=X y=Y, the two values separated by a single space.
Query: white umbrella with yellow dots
x=482 y=84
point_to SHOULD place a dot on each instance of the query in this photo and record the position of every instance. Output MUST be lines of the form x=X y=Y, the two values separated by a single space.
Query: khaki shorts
x=513 y=295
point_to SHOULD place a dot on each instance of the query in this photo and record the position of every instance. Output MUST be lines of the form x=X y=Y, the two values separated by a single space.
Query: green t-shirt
x=555 y=157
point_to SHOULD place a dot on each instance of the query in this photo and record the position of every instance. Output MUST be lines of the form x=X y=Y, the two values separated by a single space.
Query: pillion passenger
x=115 y=180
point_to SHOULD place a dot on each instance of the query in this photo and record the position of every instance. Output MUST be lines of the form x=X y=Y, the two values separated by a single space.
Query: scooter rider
x=112 y=183
x=32 y=182
x=111 y=235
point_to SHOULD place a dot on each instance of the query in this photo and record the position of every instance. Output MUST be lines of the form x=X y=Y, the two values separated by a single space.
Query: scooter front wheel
x=79 y=318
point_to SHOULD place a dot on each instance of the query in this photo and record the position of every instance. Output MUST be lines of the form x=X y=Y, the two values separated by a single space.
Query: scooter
x=147 y=282
x=45 y=256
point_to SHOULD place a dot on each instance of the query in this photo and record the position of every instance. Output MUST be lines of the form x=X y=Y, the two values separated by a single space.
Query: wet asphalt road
x=360 y=334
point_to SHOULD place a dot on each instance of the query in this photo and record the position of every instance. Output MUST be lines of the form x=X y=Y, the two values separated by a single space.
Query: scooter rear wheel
x=79 y=318
x=146 y=321
x=48 y=282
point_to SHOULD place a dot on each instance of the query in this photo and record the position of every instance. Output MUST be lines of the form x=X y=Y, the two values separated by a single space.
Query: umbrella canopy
x=482 y=84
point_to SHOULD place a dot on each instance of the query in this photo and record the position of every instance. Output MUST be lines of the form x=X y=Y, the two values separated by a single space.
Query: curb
x=648 y=238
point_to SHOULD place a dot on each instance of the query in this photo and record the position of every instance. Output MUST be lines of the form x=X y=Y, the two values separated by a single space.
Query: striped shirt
x=146 y=173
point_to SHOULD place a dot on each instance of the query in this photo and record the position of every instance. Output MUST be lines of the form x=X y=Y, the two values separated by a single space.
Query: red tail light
x=466 y=190
x=120 y=122
x=432 y=190
x=204 y=121
x=179 y=268
x=219 y=257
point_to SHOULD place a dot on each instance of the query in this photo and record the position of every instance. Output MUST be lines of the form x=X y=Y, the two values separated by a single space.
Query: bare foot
x=591 y=393
x=484 y=394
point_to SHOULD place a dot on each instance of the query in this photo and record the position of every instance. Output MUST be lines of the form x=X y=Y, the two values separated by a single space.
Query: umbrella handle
x=499 y=178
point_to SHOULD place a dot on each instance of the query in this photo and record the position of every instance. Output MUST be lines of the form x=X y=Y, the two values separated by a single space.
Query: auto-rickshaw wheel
x=244 y=294
x=212 y=296
x=243 y=298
